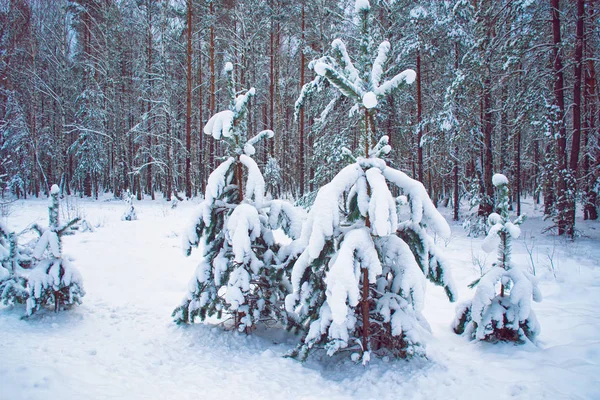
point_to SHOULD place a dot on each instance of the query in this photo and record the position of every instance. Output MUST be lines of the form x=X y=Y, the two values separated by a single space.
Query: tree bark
x=487 y=203
x=149 y=187
x=419 y=120
x=301 y=116
x=591 y=159
x=213 y=96
x=561 y=135
x=576 y=138
x=517 y=186
x=188 y=108
x=201 y=166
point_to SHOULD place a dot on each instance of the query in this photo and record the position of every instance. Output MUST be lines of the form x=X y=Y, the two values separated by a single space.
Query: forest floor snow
x=121 y=343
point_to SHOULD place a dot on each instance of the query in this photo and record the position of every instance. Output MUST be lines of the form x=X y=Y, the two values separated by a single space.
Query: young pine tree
x=358 y=271
x=54 y=280
x=129 y=214
x=507 y=315
x=239 y=273
x=14 y=259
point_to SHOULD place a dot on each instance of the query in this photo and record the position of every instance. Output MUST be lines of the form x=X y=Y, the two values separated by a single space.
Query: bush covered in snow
x=358 y=271
x=239 y=274
x=504 y=315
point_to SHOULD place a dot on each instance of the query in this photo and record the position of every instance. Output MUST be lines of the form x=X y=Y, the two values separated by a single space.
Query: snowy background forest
x=374 y=199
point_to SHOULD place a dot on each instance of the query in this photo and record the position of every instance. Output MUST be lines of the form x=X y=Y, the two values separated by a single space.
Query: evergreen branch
x=307 y=90
x=377 y=70
x=62 y=230
x=405 y=77
x=347 y=88
x=266 y=134
x=341 y=56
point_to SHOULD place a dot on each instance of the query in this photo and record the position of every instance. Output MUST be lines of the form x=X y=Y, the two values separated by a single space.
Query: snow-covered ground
x=121 y=343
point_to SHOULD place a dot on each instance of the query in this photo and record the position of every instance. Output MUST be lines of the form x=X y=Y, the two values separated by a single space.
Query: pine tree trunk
x=575 y=146
x=536 y=170
x=550 y=184
x=301 y=116
x=487 y=204
x=188 y=103
x=149 y=187
x=456 y=197
x=212 y=104
x=576 y=138
x=365 y=272
x=517 y=186
x=591 y=161
x=365 y=309
x=201 y=165
x=272 y=76
x=169 y=182
x=419 y=120
x=311 y=170
x=561 y=136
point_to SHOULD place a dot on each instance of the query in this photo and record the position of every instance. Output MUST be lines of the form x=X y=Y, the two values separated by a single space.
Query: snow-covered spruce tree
x=14 y=258
x=238 y=274
x=129 y=214
x=507 y=315
x=53 y=280
x=358 y=272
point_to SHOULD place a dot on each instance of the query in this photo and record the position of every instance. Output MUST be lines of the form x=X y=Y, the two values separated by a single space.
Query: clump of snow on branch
x=369 y=100
x=362 y=6
x=220 y=124
x=499 y=179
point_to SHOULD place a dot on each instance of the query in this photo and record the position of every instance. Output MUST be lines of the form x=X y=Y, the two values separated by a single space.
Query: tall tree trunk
x=536 y=171
x=149 y=187
x=561 y=136
x=311 y=170
x=201 y=165
x=456 y=197
x=578 y=67
x=419 y=120
x=272 y=75
x=591 y=160
x=188 y=104
x=301 y=117
x=365 y=306
x=517 y=186
x=213 y=94
x=487 y=204
x=576 y=141
x=169 y=183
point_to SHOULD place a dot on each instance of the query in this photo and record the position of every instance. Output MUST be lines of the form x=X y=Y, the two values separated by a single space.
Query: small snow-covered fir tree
x=14 y=258
x=129 y=214
x=239 y=273
x=504 y=315
x=358 y=272
x=53 y=280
